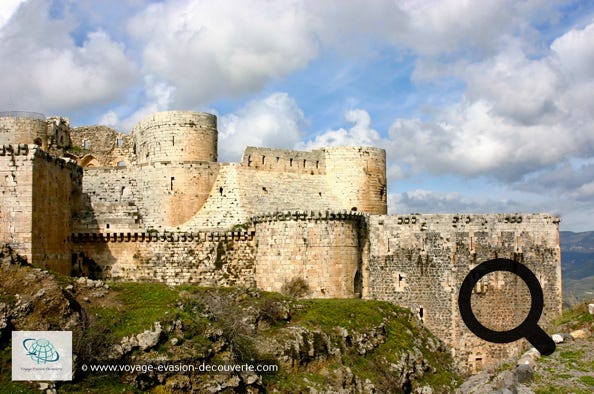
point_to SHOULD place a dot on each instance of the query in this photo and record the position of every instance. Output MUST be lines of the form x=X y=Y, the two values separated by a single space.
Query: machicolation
x=157 y=205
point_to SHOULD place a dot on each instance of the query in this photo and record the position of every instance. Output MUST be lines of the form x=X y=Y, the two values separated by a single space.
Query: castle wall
x=225 y=206
x=358 y=176
x=172 y=193
x=176 y=136
x=16 y=198
x=27 y=129
x=282 y=160
x=321 y=248
x=420 y=261
x=39 y=193
x=102 y=146
x=206 y=259
x=110 y=201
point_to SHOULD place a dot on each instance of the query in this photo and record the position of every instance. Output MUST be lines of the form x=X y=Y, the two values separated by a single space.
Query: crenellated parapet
x=308 y=215
x=283 y=160
x=202 y=236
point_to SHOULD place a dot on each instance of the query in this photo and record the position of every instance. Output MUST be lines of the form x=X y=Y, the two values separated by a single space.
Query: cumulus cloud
x=427 y=201
x=274 y=122
x=43 y=69
x=518 y=116
x=7 y=9
x=213 y=49
x=361 y=133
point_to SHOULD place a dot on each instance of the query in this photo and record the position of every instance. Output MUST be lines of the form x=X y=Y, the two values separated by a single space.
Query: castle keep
x=156 y=205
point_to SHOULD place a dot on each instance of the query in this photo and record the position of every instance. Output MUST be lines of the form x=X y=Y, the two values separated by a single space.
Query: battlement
x=14 y=150
x=201 y=236
x=312 y=162
x=34 y=151
x=462 y=221
x=309 y=215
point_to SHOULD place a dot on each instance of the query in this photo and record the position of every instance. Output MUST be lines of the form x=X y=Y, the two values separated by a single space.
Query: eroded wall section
x=206 y=259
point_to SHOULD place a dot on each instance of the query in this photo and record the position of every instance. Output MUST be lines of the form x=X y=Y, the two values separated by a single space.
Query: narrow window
x=304 y=161
x=119 y=142
x=221 y=190
x=421 y=313
x=263 y=160
x=277 y=159
x=249 y=161
x=107 y=225
x=291 y=162
x=173 y=140
x=172 y=179
x=317 y=164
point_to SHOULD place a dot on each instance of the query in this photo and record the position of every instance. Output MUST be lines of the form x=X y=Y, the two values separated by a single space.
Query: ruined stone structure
x=156 y=205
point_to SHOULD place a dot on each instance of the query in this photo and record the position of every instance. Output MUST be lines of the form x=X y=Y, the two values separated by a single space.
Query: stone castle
x=156 y=205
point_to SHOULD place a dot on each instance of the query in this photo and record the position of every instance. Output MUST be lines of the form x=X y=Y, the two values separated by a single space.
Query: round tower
x=18 y=127
x=176 y=152
x=176 y=136
x=321 y=249
x=357 y=175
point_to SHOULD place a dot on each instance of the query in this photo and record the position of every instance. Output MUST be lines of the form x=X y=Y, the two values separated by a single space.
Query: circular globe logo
x=41 y=350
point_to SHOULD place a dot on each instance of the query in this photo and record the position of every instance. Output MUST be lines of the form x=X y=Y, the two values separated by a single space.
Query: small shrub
x=296 y=287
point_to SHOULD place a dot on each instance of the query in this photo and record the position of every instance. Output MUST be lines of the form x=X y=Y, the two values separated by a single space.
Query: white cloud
x=518 y=116
x=43 y=69
x=7 y=9
x=360 y=133
x=427 y=201
x=274 y=122
x=209 y=50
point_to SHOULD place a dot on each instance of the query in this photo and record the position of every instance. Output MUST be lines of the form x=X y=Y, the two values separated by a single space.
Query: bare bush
x=296 y=287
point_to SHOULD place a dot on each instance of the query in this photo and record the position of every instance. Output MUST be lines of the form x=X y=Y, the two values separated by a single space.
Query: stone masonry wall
x=110 y=201
x=39 y=193
x=207 y=259
x=97 y=146
x=321 y=248
x=282 y=160
x=23 y=130
x=16 y=197
x=420 y=261
x=176 y=136
x=358 y=176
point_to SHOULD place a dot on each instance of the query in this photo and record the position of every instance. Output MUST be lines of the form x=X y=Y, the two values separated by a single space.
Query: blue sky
x=482 y=106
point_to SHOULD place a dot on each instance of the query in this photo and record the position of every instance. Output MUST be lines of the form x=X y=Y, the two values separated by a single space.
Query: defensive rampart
x=38 y=195
x=204 y=258
x=420 y=261
x=323 y=248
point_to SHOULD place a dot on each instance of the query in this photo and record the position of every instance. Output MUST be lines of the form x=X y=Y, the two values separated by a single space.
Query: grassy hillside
x=327 y=345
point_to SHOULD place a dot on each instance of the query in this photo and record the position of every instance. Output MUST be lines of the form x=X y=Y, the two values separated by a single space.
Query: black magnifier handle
x=541 y=341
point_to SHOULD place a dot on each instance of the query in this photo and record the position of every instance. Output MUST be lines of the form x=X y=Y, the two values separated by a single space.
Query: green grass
x=588 y=380
x=141 y=305
x=574 y=317
x=348 y=313
x=7 y=386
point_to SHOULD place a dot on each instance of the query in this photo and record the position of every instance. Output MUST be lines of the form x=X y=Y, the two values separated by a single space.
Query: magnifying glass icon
x=528 y=329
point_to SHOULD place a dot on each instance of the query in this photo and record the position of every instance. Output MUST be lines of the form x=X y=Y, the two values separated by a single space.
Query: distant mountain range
x=577 y=265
